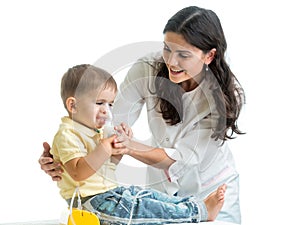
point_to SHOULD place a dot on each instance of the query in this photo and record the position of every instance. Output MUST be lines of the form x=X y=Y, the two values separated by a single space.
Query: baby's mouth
x=101 y=120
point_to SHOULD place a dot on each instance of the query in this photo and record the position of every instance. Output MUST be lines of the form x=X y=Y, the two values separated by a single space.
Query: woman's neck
x=191 y=84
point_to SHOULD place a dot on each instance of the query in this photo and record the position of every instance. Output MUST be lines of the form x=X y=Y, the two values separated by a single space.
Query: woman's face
x=184 y=61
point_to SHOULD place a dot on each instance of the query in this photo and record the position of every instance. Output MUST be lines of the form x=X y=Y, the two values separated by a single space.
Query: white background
x=39 y=40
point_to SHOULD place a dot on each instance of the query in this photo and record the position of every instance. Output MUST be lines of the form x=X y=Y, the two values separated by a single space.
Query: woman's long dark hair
x=202 y=29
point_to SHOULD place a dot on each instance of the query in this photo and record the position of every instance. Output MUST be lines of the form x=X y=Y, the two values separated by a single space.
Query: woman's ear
x=210 y=56
x=71 y=105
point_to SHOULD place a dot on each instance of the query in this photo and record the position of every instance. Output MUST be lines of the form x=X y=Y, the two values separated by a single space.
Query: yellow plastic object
x=82 y=217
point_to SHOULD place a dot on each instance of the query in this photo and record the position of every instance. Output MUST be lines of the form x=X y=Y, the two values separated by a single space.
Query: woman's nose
x=172 y=60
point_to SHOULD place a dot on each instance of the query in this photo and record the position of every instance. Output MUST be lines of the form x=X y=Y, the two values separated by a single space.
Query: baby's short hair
x=83 y=78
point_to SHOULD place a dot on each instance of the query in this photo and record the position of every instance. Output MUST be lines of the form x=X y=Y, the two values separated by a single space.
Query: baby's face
x=92 y=108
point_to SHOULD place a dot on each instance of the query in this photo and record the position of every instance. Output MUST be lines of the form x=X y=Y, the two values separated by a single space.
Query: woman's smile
x=175 y=72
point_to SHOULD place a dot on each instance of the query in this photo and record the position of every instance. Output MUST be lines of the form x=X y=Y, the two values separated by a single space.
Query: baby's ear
x=71 y=105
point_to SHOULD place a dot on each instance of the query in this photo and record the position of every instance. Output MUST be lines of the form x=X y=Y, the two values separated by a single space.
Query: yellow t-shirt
x=74 y=140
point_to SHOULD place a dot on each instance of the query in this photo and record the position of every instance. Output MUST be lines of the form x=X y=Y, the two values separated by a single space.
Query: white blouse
x=201 y=162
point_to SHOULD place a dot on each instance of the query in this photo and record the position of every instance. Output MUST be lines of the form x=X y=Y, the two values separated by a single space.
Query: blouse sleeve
x=193 y=148
x=196 y=150
x=132 y=93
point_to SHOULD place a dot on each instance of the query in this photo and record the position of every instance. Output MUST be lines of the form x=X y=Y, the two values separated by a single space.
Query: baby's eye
x=105 y=103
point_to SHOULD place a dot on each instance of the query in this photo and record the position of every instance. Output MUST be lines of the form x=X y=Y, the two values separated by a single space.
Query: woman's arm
x=156 y=157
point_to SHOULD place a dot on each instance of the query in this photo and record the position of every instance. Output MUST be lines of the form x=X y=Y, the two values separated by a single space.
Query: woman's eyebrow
x=184 y=51
x=180 y=51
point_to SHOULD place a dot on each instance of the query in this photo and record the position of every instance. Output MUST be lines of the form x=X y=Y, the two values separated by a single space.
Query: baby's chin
x=99 y=125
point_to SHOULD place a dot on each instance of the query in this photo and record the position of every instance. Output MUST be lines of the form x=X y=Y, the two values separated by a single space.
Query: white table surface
x=207 y=223
x=56 y=222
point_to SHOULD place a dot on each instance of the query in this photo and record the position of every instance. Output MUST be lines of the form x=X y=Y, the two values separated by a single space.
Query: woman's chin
x=176 y=79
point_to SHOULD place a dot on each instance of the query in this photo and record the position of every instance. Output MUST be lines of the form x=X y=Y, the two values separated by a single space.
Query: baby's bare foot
x=214 y=202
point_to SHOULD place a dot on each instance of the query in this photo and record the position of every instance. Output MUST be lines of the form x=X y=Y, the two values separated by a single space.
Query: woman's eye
x=99 y=103
x=166 y=48
x=183 y=55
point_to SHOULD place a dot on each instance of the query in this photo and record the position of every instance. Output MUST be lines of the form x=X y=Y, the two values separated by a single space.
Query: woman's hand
x=125 y=134
x=127 y=131
x=48 y=165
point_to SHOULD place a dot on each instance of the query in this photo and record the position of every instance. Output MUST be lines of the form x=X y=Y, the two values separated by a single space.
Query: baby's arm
x=157 y=157
x=83 y=167
x=116 y=159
